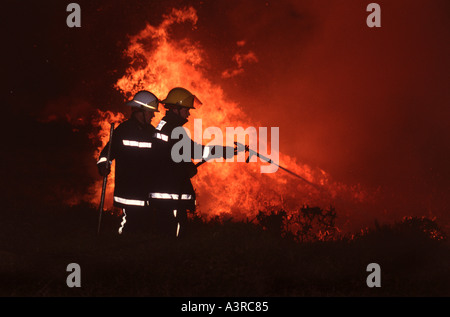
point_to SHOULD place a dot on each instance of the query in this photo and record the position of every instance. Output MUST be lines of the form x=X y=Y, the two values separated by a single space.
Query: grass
x=219 y=259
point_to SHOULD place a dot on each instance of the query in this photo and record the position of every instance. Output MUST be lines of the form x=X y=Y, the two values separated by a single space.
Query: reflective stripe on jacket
x=135 y=161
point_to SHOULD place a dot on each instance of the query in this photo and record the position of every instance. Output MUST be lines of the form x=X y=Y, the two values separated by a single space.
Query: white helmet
x=145 y=100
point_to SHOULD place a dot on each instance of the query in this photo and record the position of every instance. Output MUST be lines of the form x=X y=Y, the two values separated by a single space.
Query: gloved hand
x=191 y=169
x=229 y=152
x=103 y=170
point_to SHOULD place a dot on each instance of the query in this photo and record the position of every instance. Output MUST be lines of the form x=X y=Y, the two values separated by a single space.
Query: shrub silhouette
x=274 y=221
x=410 y=227
x=306 y=224
x=423 y=225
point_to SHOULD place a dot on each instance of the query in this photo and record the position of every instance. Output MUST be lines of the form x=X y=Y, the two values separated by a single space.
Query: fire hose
x=105 y=179
x=241 y=147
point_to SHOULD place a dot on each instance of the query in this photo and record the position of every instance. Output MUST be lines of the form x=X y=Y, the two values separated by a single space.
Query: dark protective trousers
x=153 y=221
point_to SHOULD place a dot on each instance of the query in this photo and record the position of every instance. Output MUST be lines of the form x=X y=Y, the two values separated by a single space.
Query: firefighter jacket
x=132 y=148
x=174 y=189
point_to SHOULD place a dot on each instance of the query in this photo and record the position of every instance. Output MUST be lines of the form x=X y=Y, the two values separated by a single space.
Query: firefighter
x=175 y=195
x=132 y=149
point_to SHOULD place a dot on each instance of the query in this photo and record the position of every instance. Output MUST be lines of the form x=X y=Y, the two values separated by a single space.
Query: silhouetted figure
x=133 y=151
x=175 y=194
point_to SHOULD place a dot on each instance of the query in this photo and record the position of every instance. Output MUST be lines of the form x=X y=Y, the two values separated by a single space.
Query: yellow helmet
x=182 y=98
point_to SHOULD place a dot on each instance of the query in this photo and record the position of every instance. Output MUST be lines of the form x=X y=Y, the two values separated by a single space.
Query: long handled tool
x=105 y=180
x=240 y=148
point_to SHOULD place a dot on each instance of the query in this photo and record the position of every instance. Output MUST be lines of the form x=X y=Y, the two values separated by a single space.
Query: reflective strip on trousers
x=178 y=224
x=130 y=202
x=124 y=220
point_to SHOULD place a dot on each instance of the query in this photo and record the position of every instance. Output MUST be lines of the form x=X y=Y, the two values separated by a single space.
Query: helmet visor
x=190 y=101
x=196 y=103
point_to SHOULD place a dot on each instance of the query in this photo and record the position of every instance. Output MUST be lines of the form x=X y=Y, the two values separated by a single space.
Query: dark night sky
x=369 y=106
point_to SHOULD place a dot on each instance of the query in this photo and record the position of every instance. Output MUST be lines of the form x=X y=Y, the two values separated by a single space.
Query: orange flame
x=159 y=63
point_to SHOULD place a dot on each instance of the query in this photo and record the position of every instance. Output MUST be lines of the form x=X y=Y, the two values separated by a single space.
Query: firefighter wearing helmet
x=132 y=150
x=175 y=195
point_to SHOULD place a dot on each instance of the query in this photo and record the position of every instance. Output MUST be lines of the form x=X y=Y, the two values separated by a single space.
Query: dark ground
x=219 y=259
x=40 y=236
